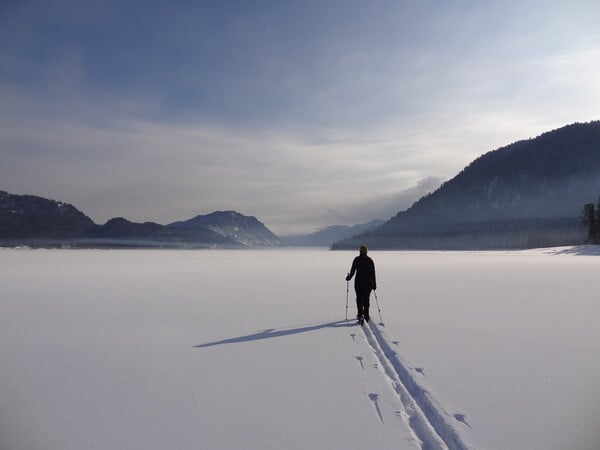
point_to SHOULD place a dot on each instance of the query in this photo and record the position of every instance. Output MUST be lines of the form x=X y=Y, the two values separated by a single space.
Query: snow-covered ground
x=247 y=349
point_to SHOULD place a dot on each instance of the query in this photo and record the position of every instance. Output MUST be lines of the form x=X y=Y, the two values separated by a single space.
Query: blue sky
x=302 y=113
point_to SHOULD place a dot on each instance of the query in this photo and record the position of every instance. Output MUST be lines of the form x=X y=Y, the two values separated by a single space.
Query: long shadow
x=275 y=333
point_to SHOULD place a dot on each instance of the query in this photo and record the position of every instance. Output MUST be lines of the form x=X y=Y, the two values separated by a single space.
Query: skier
x=364 y=267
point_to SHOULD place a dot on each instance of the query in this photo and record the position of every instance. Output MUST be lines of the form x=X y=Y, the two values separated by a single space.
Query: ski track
x=426 y=420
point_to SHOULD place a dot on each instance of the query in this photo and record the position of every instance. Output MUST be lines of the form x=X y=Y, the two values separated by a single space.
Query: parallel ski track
x=426 y=420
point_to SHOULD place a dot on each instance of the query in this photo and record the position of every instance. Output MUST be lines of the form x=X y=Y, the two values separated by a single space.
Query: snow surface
x=248 y=349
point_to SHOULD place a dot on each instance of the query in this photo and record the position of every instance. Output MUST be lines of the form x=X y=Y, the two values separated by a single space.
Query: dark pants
x=362 y=302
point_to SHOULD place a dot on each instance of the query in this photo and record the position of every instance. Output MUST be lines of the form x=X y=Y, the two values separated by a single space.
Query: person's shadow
x=274 y=333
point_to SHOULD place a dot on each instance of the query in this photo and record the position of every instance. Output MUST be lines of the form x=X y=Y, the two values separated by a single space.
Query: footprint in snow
x=374 y=398
x=360 y=360
x=462 y=418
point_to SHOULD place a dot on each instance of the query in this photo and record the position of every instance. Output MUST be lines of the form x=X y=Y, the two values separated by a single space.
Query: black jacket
x=364 y=267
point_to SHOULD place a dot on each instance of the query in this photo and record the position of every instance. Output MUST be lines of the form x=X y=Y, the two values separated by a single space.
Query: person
x=364 y=268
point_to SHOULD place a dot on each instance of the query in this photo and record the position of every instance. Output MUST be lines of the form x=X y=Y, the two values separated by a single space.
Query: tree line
x=591 y=219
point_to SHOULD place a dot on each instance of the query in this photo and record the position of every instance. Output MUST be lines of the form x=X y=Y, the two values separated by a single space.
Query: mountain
x=527 y=194
x=244 y=230
x=325 y=237
x=28 y=217
x=40 y=222
x=121 y=232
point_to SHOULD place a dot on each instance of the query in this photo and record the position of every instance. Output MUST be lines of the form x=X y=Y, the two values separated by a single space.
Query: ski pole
x=347 y=289
x=378 y=308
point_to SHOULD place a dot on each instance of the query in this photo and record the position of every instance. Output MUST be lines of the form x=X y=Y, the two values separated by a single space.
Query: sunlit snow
x=249 y=349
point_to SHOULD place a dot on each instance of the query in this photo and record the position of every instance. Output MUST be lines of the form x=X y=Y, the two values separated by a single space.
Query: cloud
x=387 y=205
x=172 y=112
x=154 y=171
x=295 y=179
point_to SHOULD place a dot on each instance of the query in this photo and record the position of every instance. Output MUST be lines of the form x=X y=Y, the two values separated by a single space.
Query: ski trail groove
x=425 y=419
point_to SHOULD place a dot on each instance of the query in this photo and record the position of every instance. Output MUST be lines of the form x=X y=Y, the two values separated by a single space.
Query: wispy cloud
x=301 y=114
x=164 y=172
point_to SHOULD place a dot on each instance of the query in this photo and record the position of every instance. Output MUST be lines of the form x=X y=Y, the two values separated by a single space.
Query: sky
x=301 y=113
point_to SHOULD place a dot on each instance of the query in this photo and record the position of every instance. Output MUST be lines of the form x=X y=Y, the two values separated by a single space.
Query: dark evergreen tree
x=597 y=234
x=590 y=220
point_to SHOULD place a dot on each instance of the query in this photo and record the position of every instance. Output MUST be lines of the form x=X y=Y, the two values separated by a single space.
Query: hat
x=363 y=249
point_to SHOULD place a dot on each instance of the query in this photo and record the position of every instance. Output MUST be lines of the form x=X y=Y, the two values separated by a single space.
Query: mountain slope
x=25 y=217
x=119 y=231
x=36 y=221
x=244 y=230
x=526 y=194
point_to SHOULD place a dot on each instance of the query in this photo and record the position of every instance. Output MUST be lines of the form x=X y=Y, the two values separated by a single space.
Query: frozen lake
x=248 y=349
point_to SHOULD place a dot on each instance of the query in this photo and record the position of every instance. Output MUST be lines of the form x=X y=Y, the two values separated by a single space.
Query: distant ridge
x=120 y=231
x=245 y=230
x=325 y=237
x=28 y=220
x=527 y=194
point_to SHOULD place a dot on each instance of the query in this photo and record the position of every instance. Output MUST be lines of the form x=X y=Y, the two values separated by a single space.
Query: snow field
x=507 y=341
x=248 y=349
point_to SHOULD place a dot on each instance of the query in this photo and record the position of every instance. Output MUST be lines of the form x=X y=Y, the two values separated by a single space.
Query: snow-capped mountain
x=244 y=230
